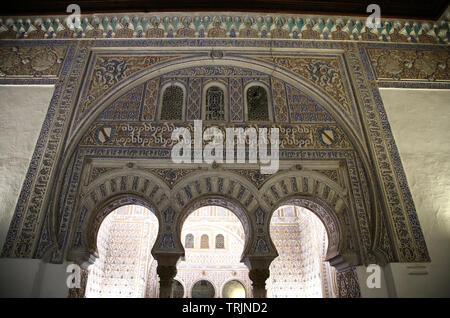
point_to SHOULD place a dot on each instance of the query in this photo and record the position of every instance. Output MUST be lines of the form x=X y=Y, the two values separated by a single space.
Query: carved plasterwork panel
x=225 y=25
x=98 y=171
x=331 y=174
x=399 y=206
x=254 y=176
x=109 y=70
x=410 y=64
x=324 y=72
x=151 y=99
x=60 y=195
x=307 y=136
x=29 y=218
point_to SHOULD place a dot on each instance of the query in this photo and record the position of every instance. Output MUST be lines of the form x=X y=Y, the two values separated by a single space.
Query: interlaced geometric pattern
x=126 y=268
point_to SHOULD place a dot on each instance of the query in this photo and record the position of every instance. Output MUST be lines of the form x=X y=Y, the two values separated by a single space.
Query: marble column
x=258 y=277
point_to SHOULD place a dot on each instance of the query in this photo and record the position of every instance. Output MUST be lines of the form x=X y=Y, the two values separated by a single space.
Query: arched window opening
x=215 y=104
x=257 y=104
x=220 y=264
x=204 y=241
x=220 y=241
x=203 y=289
x=189 y=241
x=172 y=103
x=301 y=241
x=177 y=289
x=233 y=289
x=125 y=266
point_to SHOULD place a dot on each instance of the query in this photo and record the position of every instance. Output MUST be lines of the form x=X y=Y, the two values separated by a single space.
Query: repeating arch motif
x=257 y=201
x=251 y=205
x=323 y=197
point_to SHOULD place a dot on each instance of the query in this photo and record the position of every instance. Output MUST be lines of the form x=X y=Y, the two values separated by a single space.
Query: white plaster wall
x=22 y=112
x=420 y=122
x=25 y=277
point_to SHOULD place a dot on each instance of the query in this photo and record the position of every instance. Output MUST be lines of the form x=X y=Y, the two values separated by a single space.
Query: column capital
x=258 y=262
x=166 y=274
x=259 y=277
x=167 y=259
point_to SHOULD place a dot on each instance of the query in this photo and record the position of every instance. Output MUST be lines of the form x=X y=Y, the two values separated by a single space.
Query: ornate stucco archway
x=251 y=201
x=226 y=202
x=353 y=179
x=315 y=91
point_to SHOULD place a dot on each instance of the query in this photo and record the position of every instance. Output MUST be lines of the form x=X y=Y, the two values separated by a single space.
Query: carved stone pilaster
x=258 y=277
x=166 y=275
x=347 y=281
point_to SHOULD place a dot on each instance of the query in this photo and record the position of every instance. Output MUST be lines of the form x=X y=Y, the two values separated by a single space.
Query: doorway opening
x=213 y=239
x=300 y=270
x=125 y=266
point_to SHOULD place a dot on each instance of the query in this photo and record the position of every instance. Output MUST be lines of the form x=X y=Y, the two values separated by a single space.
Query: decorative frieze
x=213 y=25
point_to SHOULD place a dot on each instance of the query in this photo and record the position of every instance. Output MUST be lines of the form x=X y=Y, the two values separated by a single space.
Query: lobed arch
x=323 y=197
x=92 y=221
x=253 y=207
x=111 y=190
